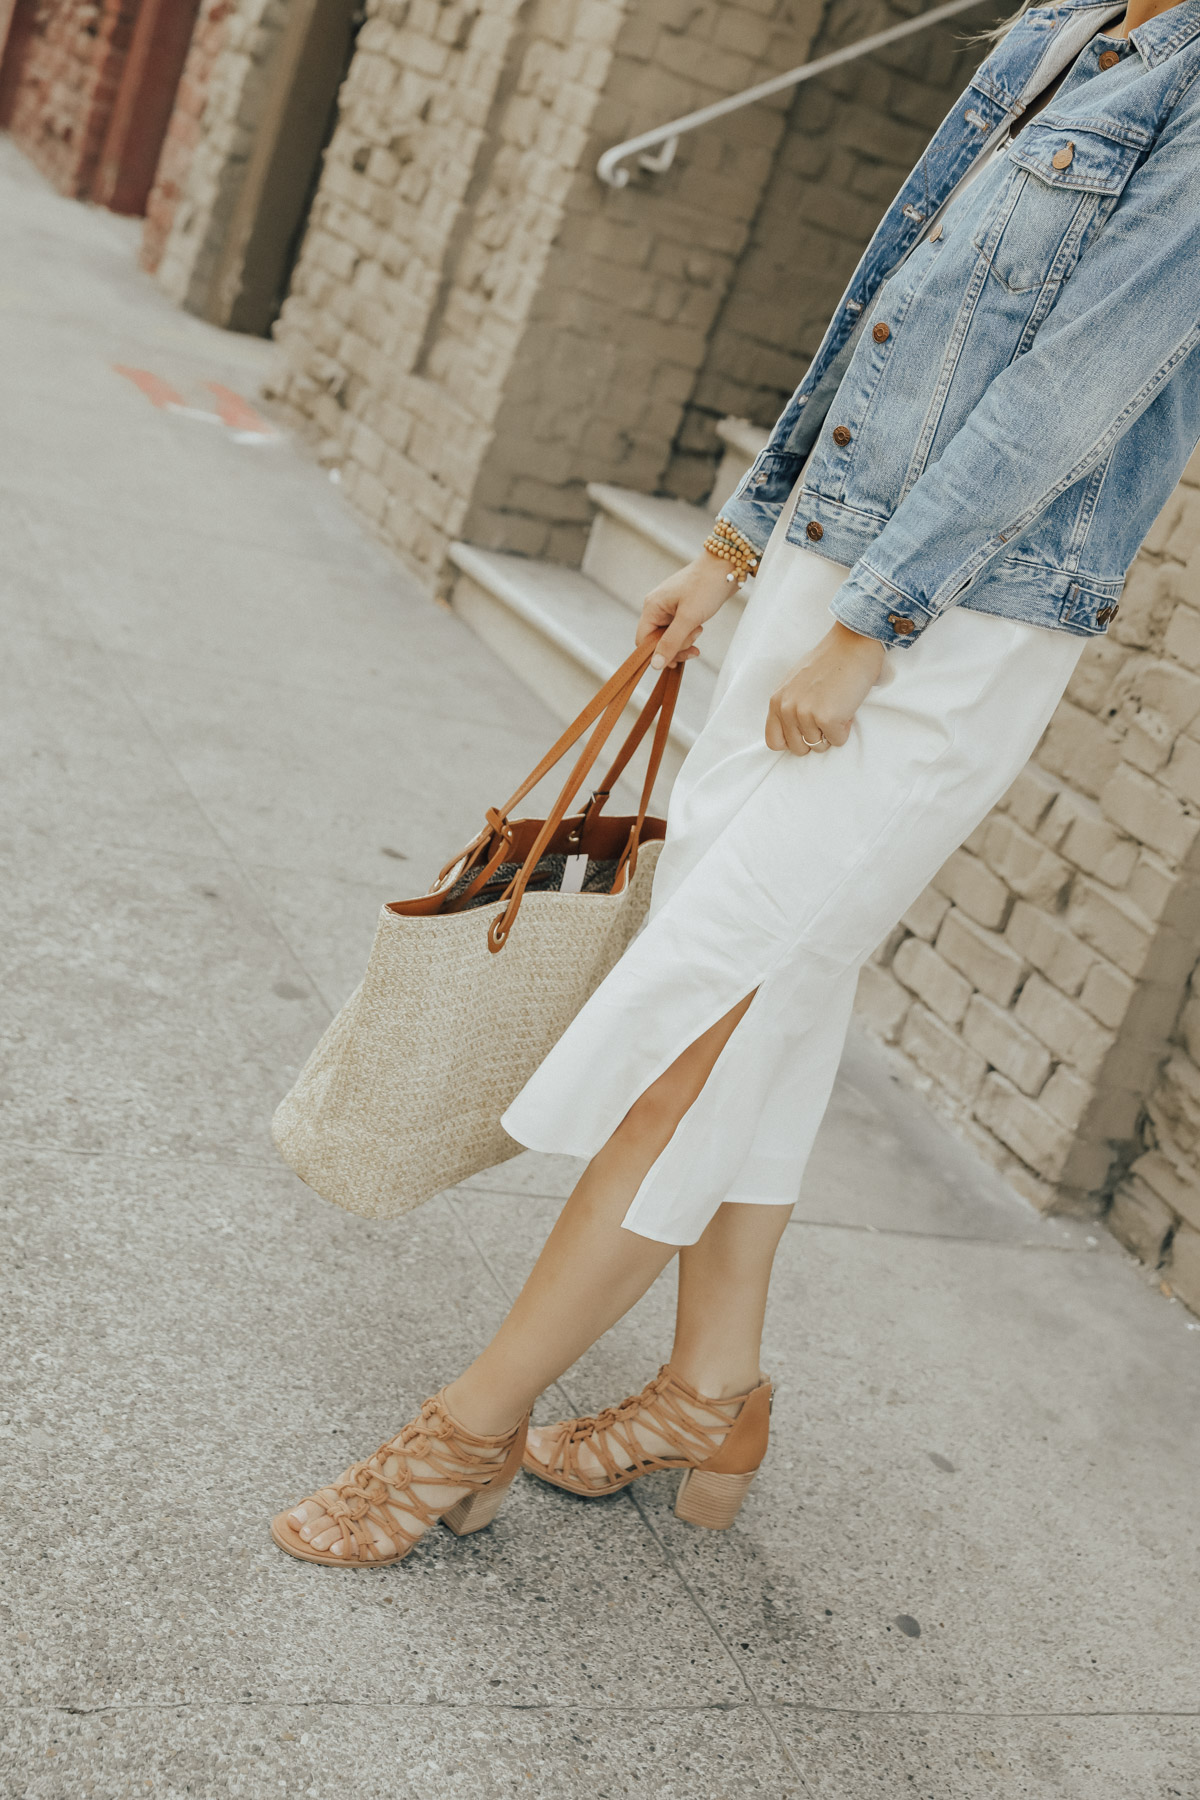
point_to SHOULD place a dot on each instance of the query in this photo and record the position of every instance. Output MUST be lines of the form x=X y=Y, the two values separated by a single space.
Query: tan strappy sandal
x=448 y=1456
x=718 y=1443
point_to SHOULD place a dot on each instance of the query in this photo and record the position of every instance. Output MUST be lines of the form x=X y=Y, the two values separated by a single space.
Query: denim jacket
x=1010 y=387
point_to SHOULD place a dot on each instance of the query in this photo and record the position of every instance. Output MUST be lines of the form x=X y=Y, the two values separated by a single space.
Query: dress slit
x=780 y=875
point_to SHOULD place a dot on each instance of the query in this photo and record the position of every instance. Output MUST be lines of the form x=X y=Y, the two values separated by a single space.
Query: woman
x=1002 y=404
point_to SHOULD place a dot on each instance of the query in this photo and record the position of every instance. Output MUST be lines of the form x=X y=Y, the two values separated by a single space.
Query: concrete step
x=742 y=442
x=638 y=540
x=564 y=635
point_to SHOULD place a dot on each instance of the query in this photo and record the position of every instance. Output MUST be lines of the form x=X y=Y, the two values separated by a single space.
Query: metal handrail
x=609 y=169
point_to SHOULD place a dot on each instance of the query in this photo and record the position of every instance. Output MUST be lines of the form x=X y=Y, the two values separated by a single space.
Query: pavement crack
x=913 y=1712
x=634 y=1500
x=473 y=1706
x=938 y=1237
x=614 y=1710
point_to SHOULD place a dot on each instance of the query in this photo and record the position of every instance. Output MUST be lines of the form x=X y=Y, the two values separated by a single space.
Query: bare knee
x=654 y=1115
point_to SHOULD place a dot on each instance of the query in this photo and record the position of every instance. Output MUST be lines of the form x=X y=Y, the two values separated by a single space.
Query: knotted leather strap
x=601 y=715
x=660 y=705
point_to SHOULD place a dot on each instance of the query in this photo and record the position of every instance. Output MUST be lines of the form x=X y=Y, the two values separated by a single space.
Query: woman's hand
x=681 y=606
x=815 y=707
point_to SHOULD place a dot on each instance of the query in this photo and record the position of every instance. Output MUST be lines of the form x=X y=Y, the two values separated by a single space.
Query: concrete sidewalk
x=231 y=728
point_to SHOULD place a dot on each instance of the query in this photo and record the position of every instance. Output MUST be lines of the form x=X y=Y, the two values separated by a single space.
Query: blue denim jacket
x=1009 y=391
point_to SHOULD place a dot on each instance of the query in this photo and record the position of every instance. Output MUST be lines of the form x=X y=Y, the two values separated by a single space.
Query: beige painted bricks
x=1036 y=986
x=477 y=327
x=208 y=144
x=476 y=330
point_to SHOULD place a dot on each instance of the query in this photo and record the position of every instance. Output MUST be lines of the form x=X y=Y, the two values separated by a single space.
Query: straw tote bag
x=469 y=987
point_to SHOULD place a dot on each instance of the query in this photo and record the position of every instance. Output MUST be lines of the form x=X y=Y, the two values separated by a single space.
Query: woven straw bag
x=470 y=986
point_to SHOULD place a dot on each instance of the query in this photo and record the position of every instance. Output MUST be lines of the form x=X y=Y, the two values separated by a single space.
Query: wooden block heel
x=719 y=1441
x=711 y=1500
x=475 y=1511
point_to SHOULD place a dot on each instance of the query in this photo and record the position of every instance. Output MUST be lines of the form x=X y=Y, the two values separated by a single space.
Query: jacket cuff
x=756 y=503
x=869 y=605
x=752 y=518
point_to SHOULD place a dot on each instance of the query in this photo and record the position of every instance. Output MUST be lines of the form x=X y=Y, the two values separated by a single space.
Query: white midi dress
x=779 y=875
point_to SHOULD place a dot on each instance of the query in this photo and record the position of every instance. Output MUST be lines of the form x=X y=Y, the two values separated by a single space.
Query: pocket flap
x=1071 y=156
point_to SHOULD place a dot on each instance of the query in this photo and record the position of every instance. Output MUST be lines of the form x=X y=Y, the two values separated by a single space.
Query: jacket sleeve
x=1124 y=323
x=762 y=493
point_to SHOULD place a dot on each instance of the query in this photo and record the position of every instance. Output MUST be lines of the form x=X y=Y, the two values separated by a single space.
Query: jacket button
x=841 y=434
x=900 y=625
x=1109 y=58
x=814 y=530
x=882 y=333
x=1105 y=614
x=936 y=233
x=1062 y=159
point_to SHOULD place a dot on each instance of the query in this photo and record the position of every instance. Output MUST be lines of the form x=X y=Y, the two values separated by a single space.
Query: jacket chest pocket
x=1065 y=181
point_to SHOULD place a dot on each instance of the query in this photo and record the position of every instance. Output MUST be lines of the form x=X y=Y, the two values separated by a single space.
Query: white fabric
x=782 y=873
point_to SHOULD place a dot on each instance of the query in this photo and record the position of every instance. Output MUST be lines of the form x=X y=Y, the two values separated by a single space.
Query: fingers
x=679 y=632
x=675 y=643
x=775 y=737
x=655 y=614
x=785 y=728
x=793 y=728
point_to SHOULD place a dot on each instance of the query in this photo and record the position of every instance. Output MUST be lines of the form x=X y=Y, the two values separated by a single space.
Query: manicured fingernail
x=658 y=662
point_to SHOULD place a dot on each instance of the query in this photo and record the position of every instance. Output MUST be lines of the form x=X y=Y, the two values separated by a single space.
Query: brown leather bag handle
x=660 y=705
x=669 y=685
x=661 y=702
x=502 y=924
x=622 y=681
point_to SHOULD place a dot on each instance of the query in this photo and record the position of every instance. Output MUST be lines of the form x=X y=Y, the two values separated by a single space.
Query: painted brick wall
x=185 y=132
x=70 y=76
x=1036 y=984
x=634 y=280
x=208 y=145
x=852 y=136
x=476 y=326
x=1156 y=1209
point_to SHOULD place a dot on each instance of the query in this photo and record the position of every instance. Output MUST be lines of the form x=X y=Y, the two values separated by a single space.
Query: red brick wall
x=183 y=133
x=70 y=71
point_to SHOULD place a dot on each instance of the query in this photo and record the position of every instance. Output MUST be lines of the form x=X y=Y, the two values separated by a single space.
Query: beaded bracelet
x=726 y=542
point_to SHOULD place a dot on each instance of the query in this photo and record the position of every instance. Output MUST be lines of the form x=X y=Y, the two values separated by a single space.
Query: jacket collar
x=1029 y=46
x=1043 y=42
x=1156 y=40
x=1160 y=38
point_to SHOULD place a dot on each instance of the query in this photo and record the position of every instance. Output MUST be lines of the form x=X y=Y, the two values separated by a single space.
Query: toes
x=591 y=1467
x=540 y=1443
x=383 y=1545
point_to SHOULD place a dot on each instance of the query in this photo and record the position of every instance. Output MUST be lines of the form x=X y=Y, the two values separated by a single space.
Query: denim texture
x=1009 y=389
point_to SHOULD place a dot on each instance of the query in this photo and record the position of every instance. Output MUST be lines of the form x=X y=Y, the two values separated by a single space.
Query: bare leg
x=591 y=1270
x=723 y=1281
